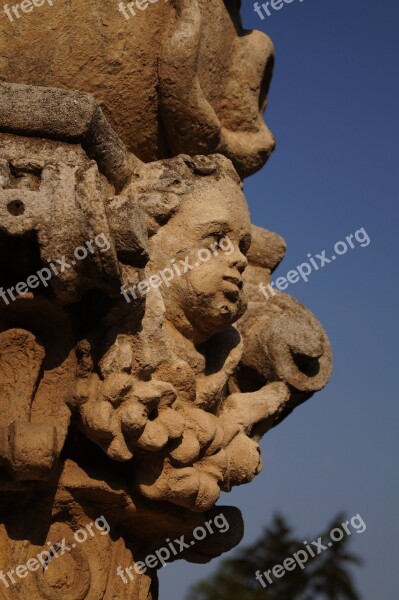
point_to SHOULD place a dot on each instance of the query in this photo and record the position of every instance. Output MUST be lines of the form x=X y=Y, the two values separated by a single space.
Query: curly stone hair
x=162 y=185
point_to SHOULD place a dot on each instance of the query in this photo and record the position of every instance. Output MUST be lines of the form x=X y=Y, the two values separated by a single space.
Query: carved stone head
x=199 y=222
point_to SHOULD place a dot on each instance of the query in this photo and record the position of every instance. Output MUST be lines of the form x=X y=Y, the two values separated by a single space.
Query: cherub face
x=211 y=234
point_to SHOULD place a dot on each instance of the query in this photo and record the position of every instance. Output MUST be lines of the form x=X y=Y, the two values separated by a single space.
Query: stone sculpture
x=139 y=365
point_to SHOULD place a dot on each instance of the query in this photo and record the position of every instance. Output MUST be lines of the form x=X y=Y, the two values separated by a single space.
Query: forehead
x=217 y=203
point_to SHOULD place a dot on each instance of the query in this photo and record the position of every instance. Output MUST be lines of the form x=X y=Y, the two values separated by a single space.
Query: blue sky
x=333 y=109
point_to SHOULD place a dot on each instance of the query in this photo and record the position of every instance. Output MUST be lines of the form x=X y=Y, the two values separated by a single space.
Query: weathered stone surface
x=140 y=369
x=170 y=79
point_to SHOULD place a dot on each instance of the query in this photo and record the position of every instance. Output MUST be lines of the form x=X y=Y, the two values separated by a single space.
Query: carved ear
x=158 y=188
x=158 y=208
x=160 y=184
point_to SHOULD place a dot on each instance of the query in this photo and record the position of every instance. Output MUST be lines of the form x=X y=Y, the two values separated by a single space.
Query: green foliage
x=325 y=577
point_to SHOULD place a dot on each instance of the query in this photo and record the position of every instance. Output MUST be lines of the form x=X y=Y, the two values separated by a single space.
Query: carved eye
x=215 y=236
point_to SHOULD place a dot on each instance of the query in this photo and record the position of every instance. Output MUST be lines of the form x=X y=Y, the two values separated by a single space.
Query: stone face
x=139 y=363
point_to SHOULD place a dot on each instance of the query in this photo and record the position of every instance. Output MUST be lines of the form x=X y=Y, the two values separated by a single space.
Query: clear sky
x=333 y=108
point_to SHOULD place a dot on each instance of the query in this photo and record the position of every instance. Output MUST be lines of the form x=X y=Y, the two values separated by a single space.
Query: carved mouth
x=232 y=295
x=232 y=287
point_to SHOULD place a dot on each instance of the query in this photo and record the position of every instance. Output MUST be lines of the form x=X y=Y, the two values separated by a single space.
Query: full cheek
x=205 y=279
